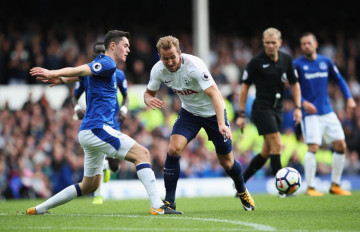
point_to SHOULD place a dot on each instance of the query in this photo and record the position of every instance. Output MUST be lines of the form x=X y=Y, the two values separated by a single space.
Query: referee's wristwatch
x=298 y=107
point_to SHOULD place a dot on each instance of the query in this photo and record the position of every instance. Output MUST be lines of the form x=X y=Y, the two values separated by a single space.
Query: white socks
x=310 y=168
x=337 y=167
x=147 y=177
x=60 y=198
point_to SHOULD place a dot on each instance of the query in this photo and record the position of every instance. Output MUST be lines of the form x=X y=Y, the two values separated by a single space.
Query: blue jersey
x=81 y=86
x=101 y=89
x=313 y=79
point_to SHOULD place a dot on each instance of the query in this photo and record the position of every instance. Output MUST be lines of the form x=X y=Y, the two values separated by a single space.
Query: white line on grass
x=255 y=226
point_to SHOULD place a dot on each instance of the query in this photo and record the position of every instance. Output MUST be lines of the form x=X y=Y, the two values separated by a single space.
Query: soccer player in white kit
x=96 y=133
x=319 y=120
x=202 y=107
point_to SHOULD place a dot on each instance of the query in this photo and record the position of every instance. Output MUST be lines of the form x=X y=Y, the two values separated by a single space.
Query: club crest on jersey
x=186 y=81
x=322 y=66
x=205 y=76
x=96 y=66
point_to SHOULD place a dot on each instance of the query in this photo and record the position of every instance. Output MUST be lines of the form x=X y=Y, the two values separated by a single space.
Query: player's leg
x=334 y=133
x=131 y=151
x=274 y=142
x=92 y=169
x=312 y=130
x=268 y=124
x=310 y=170
x=113 y=164
x=88 y=185
x=225 y=156
x=172 y=167
x=257 y=162
x=338 y=167
x=185 y=129
x=234 y=170
x=98 y=199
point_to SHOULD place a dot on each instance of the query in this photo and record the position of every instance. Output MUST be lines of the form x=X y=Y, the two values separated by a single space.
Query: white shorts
x=327 y=126
x=100 y=142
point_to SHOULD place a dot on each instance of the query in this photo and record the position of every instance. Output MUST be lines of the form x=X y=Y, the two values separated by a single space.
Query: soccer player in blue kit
x=319 y=120
x=202 y=107
x=96 y=134
x=119 y=116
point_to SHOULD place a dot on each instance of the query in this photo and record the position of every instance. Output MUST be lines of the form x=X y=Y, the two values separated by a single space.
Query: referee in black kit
x=269 y=71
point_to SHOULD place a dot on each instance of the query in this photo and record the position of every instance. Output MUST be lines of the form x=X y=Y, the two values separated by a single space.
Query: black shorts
x=267 y=120
x=189 y=125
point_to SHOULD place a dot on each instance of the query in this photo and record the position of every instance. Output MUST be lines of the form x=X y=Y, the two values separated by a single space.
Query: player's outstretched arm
x=82 y=70
x=151 y=101
x=58 y=81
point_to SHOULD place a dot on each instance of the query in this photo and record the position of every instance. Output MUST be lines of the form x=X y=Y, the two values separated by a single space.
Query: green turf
x=297 y=214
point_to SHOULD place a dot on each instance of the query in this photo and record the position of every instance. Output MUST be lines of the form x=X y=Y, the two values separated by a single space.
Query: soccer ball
x=287 y=180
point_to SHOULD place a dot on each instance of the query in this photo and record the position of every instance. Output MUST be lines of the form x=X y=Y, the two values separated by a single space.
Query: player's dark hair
x=309 y=34
x=98 y=48
x=115 y=36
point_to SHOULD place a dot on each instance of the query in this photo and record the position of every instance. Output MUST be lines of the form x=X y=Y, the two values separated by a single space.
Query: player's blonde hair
x=271 y=31
x=167 y=42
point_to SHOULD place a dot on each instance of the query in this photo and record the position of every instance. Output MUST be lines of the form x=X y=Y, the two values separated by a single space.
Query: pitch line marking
x=256 y=226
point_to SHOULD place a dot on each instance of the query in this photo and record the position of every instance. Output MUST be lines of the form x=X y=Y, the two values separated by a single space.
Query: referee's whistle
x=277 y=99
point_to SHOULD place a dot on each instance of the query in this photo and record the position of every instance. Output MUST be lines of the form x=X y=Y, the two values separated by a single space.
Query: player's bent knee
x=339 y=146
x=174 y=150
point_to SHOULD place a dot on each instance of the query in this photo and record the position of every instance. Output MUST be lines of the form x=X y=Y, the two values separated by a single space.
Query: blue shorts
x=189 y=125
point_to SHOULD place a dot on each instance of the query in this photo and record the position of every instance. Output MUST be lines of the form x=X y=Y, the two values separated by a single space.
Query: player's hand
x=350 y=105
x=309 y=107
x=121 y=117
x=240 y=122
x=53 y=81
x=297 y=116
x=42 y=72
x=80 y=113
x=225 y=131
x=154 y=102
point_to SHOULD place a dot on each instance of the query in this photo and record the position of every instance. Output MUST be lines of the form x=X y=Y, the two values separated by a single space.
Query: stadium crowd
x=39 y=151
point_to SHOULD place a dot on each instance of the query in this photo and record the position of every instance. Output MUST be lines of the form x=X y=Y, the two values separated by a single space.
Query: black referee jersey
x=269 y=77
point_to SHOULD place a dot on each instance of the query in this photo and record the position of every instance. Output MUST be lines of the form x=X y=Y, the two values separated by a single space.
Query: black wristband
x=298 y=107
x=241 y=113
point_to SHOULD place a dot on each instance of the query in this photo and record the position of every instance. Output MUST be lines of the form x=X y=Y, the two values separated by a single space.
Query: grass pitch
x=297 y=214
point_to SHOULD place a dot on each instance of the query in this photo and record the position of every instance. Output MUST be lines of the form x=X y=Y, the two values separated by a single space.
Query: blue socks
x=171 y=177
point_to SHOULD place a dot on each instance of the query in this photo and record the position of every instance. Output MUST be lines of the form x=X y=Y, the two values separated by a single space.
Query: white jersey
x=189 y=82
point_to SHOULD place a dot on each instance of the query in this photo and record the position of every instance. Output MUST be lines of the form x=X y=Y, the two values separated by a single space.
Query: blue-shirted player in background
x=119 y=116
x=96 y=134
x=319 y=120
